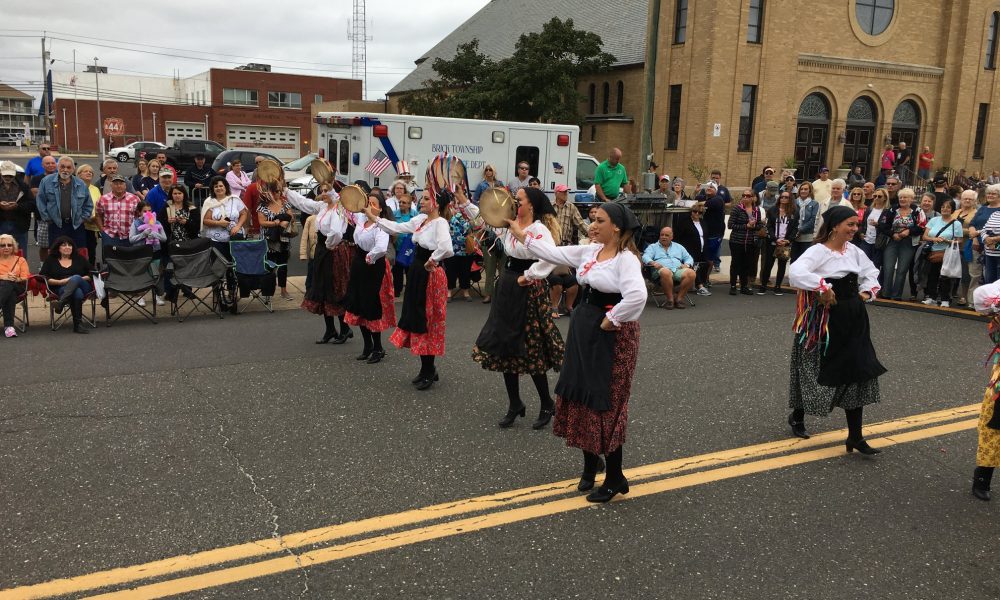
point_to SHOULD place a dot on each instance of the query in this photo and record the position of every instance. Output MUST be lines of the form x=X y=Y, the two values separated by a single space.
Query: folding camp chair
x=196 y=267
x=655 y=292
x=254 y=273
x=130 y=277
x=40 y=287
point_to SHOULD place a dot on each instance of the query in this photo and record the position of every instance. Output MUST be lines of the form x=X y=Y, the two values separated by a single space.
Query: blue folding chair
x=255 y=275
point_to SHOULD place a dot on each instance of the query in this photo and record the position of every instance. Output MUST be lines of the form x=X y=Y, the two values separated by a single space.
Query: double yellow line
x=488 y=511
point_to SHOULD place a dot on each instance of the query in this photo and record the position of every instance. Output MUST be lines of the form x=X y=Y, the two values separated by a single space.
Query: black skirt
x=365 y=283
x=413 y=317
x=850 y=356
x=504 y=332
x=590 y=352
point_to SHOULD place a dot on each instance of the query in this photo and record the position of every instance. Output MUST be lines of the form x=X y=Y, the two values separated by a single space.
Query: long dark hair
x=170 y=196
x=385 y=213
x=544 y=212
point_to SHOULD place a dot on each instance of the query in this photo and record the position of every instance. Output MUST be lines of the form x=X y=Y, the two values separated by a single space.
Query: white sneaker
x=945 y=304
x=930 y=302
x=10 y=332
x=160 y=301
x=141 y=302
x=703 y=291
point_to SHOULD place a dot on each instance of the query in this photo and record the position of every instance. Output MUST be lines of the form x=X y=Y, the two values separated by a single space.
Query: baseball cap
x=166 y=173
x=562 y=188
x=768 y=170
x=118 y=177
x=940 y=178
x=8 y=168
x=772 y=185
x=662 y=177
x=711 y=184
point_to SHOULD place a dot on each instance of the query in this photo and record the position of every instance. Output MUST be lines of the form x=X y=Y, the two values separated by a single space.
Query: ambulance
x=378 y=148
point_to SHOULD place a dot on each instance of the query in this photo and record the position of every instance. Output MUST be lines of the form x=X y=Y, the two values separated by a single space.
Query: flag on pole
x=380 y=162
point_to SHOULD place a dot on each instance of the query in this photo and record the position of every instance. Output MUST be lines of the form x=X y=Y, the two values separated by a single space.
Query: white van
x=352 y=140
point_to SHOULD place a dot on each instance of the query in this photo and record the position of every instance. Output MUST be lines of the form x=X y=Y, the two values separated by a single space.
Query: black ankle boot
x=798 y=427
x=861 y=446
x=981 y=479
x=544 y=416
x=345 y=334
x=608 y=491
x=587 y=478
x=513 y=412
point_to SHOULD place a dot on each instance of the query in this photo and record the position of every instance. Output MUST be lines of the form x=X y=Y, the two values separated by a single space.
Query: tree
x=537 y=83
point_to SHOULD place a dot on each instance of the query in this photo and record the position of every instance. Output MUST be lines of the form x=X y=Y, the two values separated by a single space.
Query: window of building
x=674 y=118
x=748 y=106
x=874 y=16
x=593 y=99
x=607 y=98
x=977 y=149
x=620 y=98
x=238 y=97
x=593 y=133
x=991 y=41
x=284 y=100
x=317 y=98
x=755 y=30
x=681 y=22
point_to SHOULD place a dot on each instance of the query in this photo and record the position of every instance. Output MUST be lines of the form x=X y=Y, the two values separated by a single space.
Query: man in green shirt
x=610 y=177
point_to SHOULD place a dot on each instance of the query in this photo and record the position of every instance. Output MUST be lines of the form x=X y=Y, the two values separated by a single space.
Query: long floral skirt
x=432 y=342
x=805 y=393
x=385 y=298
x=543 y=344
x=988 y=452
x=603 y=432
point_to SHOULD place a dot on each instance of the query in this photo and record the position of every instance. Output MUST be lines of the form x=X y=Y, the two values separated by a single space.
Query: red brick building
x=236 y=108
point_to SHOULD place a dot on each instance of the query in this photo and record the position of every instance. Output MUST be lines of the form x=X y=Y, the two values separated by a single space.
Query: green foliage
x=537 y=83
x=698 y=172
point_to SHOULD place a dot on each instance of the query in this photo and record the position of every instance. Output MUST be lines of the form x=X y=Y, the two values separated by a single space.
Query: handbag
x=951 y=263
x=881 y=241
x=936 y=256
x=782 y=252
x=293 y=229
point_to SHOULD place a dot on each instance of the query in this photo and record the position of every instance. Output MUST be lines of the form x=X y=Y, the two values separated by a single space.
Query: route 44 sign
x=114 y=126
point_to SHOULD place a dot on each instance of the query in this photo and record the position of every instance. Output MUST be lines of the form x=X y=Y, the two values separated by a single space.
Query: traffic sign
x=114 y=126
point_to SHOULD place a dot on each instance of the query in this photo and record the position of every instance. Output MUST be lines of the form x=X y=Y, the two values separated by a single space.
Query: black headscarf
x=621 y=216
x=540 y=203
x=835 y=215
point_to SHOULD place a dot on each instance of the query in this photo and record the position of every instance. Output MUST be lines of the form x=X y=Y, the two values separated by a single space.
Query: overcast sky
x=310 y=41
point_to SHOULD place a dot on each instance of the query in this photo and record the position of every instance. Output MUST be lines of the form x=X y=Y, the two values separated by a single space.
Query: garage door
x=282 y=142
x=179 y=130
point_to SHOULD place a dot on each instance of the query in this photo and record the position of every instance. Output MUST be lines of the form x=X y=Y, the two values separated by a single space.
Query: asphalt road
x=145 y=442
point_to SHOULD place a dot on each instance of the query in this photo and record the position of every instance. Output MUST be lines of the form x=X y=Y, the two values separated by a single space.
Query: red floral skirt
x=602 y=432
x=331 y=274
x=386 y=297
x=432 y=342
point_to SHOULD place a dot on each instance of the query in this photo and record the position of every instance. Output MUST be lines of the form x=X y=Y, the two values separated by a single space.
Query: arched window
x=991 y=41
x=593 y=99
x=620 y=98
x=607 y=98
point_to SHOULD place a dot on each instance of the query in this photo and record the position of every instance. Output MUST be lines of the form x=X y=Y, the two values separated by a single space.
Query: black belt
x=601 y=299
x=519 y=264
x=846 y=286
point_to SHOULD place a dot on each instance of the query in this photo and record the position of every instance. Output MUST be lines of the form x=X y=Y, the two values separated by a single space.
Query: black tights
x=427 y=364
x=373 y=340
x=331 y=326
x=613 y=475
x=855 y=416
x=512 y=381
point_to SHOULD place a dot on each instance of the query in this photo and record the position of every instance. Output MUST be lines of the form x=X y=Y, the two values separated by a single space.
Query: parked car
x=181 y=155
x=12 y=139
x=135 y=150
x=247 y=157
x=298 y=174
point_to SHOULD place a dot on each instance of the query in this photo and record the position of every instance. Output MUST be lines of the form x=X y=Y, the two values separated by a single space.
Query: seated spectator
x=13 y=275
x=690 y=233
x=562 y=279
x=671 y=263
x=183 y=220
x=147 y=230
x=68 y=275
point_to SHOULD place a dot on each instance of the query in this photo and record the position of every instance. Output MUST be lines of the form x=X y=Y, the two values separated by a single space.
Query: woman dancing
x=421 y=325
x=519 y=337
x=370 y=296
x=603 y=343
x=833 y=360
x=987 y=302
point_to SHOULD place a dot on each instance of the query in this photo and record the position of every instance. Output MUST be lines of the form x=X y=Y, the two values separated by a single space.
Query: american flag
x=380 y=162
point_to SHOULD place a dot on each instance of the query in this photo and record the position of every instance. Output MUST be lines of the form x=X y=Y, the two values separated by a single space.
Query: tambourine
x=496 y=206
x=353 y=198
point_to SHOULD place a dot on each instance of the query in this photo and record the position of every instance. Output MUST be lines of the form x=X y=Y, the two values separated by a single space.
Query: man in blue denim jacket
x=64 y=203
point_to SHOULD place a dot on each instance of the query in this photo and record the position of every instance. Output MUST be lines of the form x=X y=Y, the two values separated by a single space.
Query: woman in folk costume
x=833 y=361
x=603 y=343
x=330 y=264
x=370 y=295
x=421 y=325
x=987 y=301
x=519 y=337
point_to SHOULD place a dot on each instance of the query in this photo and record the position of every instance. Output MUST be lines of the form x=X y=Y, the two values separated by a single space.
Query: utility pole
x=142 y=123
x=65 y=130
x=76 y=104
x=45 y=85
x=646 y=134
x=100 y=122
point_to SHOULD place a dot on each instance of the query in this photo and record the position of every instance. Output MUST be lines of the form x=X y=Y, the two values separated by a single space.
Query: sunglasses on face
x=6 y=245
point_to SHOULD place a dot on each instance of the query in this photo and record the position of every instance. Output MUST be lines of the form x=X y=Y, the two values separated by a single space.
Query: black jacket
x=772 y=226
x=686 y=234
x=888 y=215
x=193 y=225
x=21 y=214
